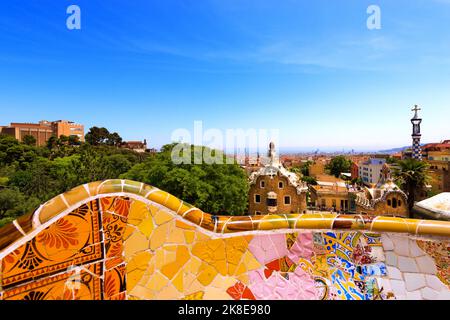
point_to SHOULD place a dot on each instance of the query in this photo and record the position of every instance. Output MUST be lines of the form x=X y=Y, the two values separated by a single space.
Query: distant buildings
x=43 y=130
x=370 y=170
x=275 y=190
x=137 y=146
x=437 y=155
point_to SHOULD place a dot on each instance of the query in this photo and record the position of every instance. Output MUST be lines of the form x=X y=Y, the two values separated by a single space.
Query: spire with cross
x=416 y=121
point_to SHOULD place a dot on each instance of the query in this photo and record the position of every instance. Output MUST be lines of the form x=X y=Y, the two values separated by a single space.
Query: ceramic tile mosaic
x=121 y=239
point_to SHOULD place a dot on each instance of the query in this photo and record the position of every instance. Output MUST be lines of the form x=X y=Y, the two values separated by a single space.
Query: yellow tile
x=157 y=282
x=159 y=258
x=192 y=265
x=183 y=225
x=216 y=294
x=142 y=259
x=138 y=212
x=189 y=236
x=142 y=293
x=241 y=269
x=176 y=235
x=110 y=186
x=243 y=278
x=250 y=261
x=146 y=226
x=182 y=256
x=133 y=278
x=76 y=195
x=200 y=236
x=178 y=281
x=135 y=243
x=158 y=196
x=169 y=293
x=129 y=230
x=132 y=186
x=162 y=216
x=206 y=274
x=195 y=296
x=52 y=208
x=223 y=282
x=159 y=236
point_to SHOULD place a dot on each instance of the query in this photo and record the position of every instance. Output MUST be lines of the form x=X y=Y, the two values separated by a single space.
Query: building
x=370 y=170
x=384 y=199
x=275 y=190
x=333 y=197
x=137 y=146
x=416 y=121
x=354 y=170
x=439 y=170
x=43 y=130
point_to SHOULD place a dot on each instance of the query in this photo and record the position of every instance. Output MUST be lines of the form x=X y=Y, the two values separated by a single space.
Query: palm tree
x=411 y=176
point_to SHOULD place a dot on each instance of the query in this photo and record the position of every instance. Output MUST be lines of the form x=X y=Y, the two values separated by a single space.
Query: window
x=257 y=213
x=257 y=198
x=287 y=200
x=394 y=203
x=399 y=203
x=271 y=202
x=262 y=184
x=280 y=185
x=389 y=202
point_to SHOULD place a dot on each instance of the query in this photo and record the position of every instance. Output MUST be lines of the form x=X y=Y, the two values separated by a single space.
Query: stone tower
x=416 y=121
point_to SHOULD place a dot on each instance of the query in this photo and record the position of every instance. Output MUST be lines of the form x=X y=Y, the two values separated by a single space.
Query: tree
x=215 y=188
x=97 y=136
x=309 y=180
x=52 y=142
x=29 y=140
x=74 y=140
x=411 y=175
x=339 y=165
x=114 y=139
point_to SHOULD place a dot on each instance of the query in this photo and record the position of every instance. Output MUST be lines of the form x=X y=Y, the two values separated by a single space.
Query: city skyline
x=314 y=72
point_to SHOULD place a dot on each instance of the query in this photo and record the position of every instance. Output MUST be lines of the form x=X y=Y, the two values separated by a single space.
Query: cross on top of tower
x=415 y=109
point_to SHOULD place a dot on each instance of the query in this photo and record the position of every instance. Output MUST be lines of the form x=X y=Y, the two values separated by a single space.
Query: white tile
x=443 y=295
x=394 y=273
x=426 y=265
x=434 y=283
x=429 y=294
x=399 y=288
x=387 y=242
x=414 y=295
x=401 y=245
x=407 y=264
x=391 y=258
x=414 y=281
x=414 y=249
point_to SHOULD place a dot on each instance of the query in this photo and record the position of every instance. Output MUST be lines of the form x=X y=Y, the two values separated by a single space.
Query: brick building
x=43 y=130
x=275 y=190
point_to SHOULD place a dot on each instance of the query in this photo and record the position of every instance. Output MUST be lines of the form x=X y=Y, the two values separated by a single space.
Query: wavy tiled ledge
x=217 y=224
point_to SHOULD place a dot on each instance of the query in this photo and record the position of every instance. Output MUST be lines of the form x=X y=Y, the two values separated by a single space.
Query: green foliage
x=411 y=175
x=215 y=188
x=309 y=180
x=101 y=136
x=13 y=203
x=339 y=165
x=31 y=175
x=29 y=140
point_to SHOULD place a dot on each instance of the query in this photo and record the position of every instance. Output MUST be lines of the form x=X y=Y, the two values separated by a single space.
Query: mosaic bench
x=120 y=239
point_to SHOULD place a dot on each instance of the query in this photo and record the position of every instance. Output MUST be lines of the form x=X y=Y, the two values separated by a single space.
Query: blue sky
x=311 y=69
